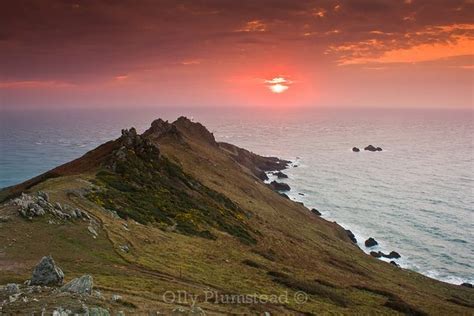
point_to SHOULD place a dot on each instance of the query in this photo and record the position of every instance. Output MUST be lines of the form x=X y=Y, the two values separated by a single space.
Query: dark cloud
x=88 y=40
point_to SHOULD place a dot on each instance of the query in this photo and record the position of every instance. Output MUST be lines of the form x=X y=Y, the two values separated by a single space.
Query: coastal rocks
x=394 y=264
x=30 y=205
x=371 y=242
x=380 y=254
x=376 y=254
x=262 y=175
x=280 y=175
x=351 y=236
x=315 y=212
x=468 y=285
x=279 y=186
x=372 y=148
x=47 y=273
x=393 y=255
x=82 y=285
x=355 y=149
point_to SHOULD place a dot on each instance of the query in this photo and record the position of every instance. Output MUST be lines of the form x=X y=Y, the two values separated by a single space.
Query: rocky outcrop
x=351 y=236
x=255 y=163
x=372 y=148
x=279 y=186
x=82 y=285
x=31 y=205
x=468 y=285
x=315 y=212
x=394 y=264
x=47 y=273
x=194 y=129
x=371 y=242
x=280 y=175
x=160 y=128
x=380 y=254
x=355 y=149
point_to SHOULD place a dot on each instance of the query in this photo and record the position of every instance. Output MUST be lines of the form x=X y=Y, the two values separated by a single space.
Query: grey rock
x=116 y=297
x=98 y=311
x=124 y=248
x=82 y=285
x=58 y=206
x=43 y=195
x=92 y=231
x=12 y=288
x=47 y=273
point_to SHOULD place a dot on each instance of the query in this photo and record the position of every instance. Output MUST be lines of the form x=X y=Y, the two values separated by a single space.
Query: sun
x=278 y=84
x=278 y=88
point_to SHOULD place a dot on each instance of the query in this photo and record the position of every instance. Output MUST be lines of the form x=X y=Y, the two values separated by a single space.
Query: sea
x=415 y=197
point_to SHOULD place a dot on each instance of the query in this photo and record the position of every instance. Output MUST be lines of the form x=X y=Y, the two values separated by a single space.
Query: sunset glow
x=223 y=54
x=278 y=88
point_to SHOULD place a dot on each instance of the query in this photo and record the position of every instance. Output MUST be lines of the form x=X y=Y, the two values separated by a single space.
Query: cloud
x=34 y=84
x=253 y=26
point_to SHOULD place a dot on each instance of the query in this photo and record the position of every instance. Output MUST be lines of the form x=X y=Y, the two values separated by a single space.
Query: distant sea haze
x=415 y=197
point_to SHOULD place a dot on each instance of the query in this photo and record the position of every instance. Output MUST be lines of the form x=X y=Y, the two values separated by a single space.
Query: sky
x=227 y=53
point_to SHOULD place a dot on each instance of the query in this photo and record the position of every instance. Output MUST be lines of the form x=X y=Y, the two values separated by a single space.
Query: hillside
x=171 y=217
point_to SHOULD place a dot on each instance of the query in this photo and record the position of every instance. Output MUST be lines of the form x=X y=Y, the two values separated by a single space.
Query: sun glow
x=278 y=84
x=278 y=88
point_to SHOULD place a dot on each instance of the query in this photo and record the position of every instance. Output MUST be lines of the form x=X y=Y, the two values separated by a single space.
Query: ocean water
x=415 y=197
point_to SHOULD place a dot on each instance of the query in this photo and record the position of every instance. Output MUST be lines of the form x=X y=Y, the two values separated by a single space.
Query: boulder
x=43 y=195
x=395 y=264
x=12 y=288
x=371 y=242
x=469 y=285
x=82 y=285
x=355 y=149
x=351 y=236
x=393 y=255
x=376 y=254
x=315 y=212
x=378 y=149
x=47 y=273
x=279 y=186
x=280 y=175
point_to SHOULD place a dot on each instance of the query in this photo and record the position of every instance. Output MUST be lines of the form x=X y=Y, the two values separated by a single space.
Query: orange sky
x=364 y=53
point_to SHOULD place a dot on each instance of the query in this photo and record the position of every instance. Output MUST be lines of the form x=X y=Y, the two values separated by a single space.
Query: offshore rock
x=371 y=242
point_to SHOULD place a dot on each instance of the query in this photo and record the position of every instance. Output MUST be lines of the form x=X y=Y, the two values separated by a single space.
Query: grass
x=151 y=190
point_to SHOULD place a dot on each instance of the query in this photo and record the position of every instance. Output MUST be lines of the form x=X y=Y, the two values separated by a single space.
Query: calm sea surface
x=415 y=197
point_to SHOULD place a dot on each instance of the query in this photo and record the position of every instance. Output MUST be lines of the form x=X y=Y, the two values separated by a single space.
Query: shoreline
x=403 y=262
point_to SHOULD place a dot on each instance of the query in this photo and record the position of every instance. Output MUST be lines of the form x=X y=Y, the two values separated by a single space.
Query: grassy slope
x=296 y=251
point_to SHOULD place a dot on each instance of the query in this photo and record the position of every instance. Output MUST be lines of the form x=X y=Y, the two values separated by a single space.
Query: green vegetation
x=155 y=190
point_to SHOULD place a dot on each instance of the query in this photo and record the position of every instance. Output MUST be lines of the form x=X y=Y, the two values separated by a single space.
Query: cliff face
x=173 y=210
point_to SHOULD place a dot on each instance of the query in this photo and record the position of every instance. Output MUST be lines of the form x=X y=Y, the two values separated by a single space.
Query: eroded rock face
x=82 y=285
x=47 y=273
